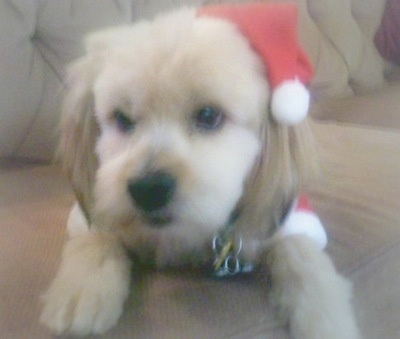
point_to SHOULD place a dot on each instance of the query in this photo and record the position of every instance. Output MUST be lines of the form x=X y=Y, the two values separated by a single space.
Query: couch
x=356 y=119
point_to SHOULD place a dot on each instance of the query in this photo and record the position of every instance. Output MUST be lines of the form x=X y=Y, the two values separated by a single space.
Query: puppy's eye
x=209 y=118
x=123 y=122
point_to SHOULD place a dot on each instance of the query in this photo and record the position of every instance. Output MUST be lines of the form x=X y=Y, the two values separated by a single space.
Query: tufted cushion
x=37 y=40
x=337 y=36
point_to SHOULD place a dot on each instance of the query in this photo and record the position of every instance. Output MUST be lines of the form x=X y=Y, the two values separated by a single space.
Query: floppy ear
x=285 y=164
x=78 y=133
x=79 y=128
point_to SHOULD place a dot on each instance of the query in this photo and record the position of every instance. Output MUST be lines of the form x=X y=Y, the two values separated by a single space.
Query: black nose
x=152 y=192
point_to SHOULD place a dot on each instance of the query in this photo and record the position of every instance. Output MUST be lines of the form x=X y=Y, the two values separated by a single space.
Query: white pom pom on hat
x=271 y=29
x=290 y=102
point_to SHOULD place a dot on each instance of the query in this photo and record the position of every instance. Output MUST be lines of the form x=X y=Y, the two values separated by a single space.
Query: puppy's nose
x=152 y=192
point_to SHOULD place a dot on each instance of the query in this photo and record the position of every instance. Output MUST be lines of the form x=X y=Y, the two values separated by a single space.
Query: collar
x=227 y=246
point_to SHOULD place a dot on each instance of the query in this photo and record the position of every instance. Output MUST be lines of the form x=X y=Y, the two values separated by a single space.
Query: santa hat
x=302 y=220
x=271 y=29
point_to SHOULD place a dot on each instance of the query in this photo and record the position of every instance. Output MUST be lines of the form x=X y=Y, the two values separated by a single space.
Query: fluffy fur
x=159 y=74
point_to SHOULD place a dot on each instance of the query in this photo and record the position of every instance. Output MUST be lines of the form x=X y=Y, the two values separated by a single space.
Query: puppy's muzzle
x=152 y=194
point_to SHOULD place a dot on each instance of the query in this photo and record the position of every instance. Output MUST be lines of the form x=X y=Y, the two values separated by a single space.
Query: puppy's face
x=180 y=104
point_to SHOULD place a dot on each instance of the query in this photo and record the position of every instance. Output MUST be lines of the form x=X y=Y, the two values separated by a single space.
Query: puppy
x=168 y=139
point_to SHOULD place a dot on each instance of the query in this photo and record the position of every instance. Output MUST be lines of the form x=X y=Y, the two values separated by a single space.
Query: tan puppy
x=166 y=136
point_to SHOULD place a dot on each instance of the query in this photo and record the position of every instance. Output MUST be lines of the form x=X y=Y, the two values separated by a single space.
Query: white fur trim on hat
x=306 y=223
x=76 y=224
x=290 y=102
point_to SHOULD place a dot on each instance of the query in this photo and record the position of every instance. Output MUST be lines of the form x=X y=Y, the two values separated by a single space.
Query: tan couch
x=357 y=126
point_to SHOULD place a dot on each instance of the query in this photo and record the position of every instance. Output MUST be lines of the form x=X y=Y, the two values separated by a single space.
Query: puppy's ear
x=285 y=164
x=79 y=128
x=78 y=133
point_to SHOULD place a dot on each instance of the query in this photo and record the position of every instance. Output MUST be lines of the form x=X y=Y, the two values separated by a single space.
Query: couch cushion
x=358 y=193
x=379 y=108
x=358 y=199
x=37 y=40
x=344 y=57
x=34 y=201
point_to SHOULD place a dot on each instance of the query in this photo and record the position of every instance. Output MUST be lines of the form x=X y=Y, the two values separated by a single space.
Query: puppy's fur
x=160 y=74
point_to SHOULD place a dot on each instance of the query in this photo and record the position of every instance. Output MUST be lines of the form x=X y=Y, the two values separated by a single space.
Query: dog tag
x=227 y=262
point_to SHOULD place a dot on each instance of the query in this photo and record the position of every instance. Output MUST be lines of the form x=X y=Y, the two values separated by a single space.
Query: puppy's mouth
x=158 y=219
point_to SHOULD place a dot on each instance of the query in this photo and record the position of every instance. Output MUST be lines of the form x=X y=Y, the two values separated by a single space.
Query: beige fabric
x=342 y=51
x=381 y=108
x=147 y=9
x=33 y=206
x=358 y=199
x=37 y=40
x=359 y=186
x=339 y=29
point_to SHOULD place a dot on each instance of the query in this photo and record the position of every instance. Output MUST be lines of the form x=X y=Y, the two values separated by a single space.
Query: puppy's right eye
x=123 y=122
x=209 y=119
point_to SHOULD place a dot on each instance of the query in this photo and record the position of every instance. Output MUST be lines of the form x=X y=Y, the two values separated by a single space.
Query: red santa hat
x=271 y=29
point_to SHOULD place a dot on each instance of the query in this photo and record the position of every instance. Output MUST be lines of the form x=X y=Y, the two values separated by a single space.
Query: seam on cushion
x=18 y=13
x=36 y=115
x=29 y=36
x=334 y=46
x=34 y=40
x=352 y=70
x=37 y=41
x=29 y=128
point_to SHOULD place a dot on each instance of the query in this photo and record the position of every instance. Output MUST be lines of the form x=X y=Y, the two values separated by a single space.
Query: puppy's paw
x=308 y=291
x=88 y=293
x=82 y=308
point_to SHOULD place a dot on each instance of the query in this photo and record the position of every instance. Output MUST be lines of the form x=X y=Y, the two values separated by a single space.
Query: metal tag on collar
x=227 y=261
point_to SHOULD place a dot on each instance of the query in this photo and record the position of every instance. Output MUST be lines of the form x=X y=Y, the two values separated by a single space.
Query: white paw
x=87 y=296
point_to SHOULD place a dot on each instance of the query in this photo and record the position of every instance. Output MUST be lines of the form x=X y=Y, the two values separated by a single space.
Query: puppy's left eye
x=123 y=122
x=209 y=118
